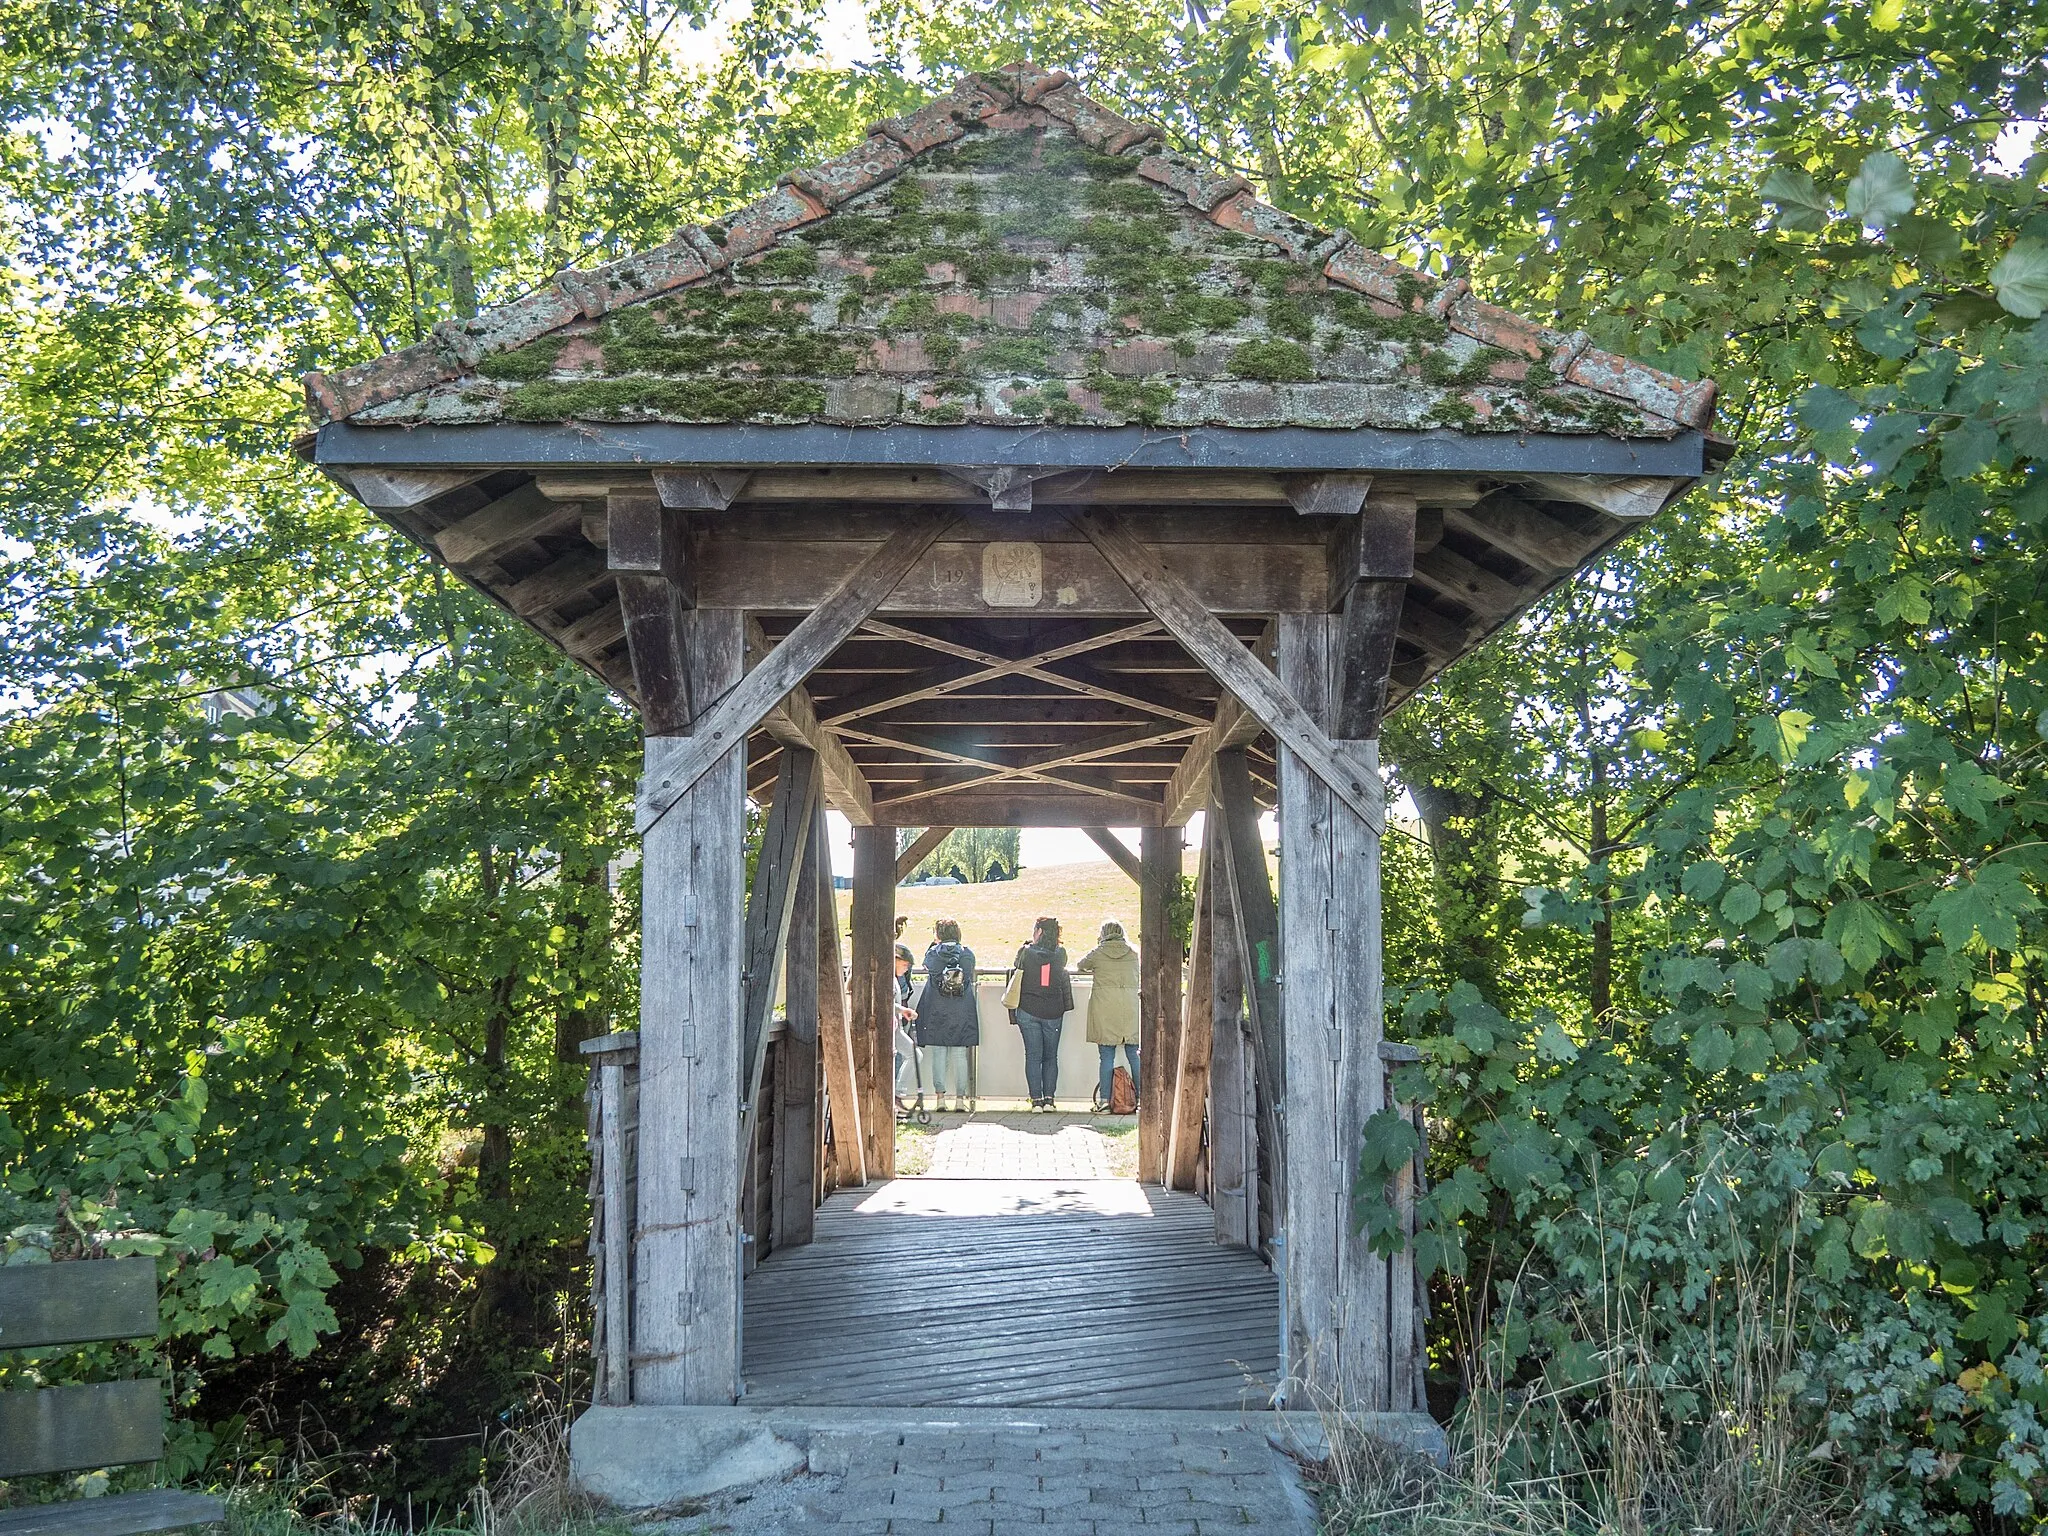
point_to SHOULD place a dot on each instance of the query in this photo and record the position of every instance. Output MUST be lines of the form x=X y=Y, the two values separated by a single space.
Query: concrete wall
x=999 y=1060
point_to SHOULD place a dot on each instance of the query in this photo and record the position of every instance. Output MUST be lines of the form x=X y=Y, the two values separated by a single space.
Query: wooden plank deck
x=1028 y=1293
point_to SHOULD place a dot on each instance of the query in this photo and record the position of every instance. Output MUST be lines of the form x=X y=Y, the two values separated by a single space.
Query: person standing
x=1113 y=1015
x=1045 y=995
x=906 y=1038
x=948 y=1019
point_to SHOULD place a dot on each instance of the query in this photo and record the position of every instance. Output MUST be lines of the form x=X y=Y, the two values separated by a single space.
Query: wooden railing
x=614 y=1120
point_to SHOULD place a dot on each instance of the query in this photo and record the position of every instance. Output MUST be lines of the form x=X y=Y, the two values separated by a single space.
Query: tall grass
x=1627 y=1448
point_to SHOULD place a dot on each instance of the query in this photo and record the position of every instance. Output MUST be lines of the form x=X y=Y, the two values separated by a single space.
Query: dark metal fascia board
x=1244 y=448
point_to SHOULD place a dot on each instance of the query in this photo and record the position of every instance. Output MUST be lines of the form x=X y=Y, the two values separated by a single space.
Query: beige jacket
x=1113 y=1005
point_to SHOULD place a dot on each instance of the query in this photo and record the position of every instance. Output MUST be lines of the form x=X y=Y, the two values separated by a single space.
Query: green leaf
x=1753 y=1050
x=1742 y=903
x=1931 y=242
x=1801 y=205
x=1904 y=599
x=1824 y=408
x=1862 y=932
x=2021 y=279
x=1701 y=880
x=1986 y=905
x=1553 y=1044
x=1880 y=192
x=1710 y=1050
x=1780 y=736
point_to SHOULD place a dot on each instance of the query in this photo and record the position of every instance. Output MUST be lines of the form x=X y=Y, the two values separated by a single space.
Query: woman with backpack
x=1113 y=1014
x=1045 y=994
x=948 y=1020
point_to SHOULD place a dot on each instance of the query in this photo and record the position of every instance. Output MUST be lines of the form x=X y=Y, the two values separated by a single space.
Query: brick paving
x=986 y=1149
x=1145 y=1474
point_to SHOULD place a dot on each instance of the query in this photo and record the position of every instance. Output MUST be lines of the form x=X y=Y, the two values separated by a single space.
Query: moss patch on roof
x=1018 y=275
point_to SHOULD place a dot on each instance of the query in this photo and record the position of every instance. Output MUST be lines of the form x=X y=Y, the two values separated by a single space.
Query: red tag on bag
x=1045 y=976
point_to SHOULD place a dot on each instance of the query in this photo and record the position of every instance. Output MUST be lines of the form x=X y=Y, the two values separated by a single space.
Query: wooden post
x=693 y=873
x=771 y=905
x=873 y=988
x=835 y=1030
x=1257 y=923
x=1159 y=860
x=1233 y=1116
x=1190 y=1094
x=1330 y=922
x=796 y=1075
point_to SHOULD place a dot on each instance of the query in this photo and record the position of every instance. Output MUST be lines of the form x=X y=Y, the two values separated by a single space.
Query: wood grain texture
x=739 y=709
x=1044 y=1307
x=797 y=1130
x=1159 y=986
x=524 y=514
x=1190 y=1089
x=76 y=1303
x=835 y=1032
x=1329 y=913
x=118 y=1514
x=1233 y=1135
x=1231 y=664
x=770 y=907
x=872 y=987
x=72 y=1429
x=686 y=1281
x=793 y=722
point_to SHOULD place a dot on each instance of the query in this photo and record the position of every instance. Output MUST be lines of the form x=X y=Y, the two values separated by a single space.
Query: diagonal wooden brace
x=1351 y=774
x=727 y=723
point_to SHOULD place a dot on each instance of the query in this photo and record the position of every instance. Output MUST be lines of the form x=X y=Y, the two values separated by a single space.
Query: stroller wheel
x=923 y=1115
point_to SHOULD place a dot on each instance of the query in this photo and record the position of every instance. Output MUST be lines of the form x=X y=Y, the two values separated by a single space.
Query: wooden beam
x=647 y=539
x=793 y=722
x=596 y=632
x=1159 y=860
x=1446 y=571
x=793 y=1157
x=1187 y=1100
x=1234 y=726
x=1535 y=538
x=555 y=583
x=965 y=807
x=1632 y=497
x=399 y=490
x=693 y=869
x=993 y=578
x=1370 y=564
x=835 y=1029
x=1119 y=852
x=117 y=1514
x=919 y=850
x=1428 y=630
x=873 y=988
x=1330 y=914
x=1333 y=495
x=1233 y=1133
x=770 y=904
x=822 y=631
x=1258 y=924
x=524 y=514
x=1060 y=770
x=699 y=490
x=1211 y=643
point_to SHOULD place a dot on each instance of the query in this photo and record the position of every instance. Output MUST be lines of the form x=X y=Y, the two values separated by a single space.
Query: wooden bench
x=84 y=1428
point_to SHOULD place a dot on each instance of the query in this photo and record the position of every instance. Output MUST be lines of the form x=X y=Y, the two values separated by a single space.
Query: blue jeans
x=949 y=1069
x=1109 y=1066
x=1041 y=1054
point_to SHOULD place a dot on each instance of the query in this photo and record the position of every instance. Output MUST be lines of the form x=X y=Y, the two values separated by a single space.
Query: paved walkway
x=1138 y=1474
x=981 y=1149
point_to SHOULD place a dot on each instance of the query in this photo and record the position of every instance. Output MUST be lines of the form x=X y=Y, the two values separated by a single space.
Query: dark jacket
x=1047 y=991
x=943 y=1020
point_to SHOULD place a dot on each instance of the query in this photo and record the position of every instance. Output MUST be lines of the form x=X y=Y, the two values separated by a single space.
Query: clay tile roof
x=1012 y=252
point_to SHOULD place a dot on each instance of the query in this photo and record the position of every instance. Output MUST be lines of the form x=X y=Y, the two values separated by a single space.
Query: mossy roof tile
x=1013 y=251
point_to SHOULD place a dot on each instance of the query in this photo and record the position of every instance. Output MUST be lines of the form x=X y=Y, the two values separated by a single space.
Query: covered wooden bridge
x=1008 y=469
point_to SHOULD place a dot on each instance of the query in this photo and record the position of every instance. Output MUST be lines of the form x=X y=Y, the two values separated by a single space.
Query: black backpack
x=953 y=976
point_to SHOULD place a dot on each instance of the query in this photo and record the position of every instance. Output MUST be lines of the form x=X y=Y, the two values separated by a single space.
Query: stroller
x=913 y=1112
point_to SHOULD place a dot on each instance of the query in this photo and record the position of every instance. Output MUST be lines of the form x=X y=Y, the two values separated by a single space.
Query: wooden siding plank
x=77 y=1303
x=118 y=1514
x=69 y=1429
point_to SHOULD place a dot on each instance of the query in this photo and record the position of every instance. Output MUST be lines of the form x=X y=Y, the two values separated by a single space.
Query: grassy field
x=995 y=919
